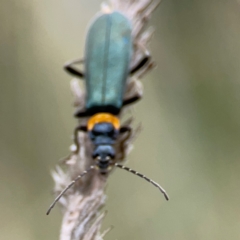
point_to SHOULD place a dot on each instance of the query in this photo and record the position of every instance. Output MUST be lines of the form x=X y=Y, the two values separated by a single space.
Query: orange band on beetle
x=103 y=117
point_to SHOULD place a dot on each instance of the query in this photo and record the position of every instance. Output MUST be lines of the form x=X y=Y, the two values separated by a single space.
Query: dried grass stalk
x=81 y=205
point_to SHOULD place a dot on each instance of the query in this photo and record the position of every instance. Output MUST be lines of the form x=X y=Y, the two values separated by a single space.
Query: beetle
x=108 y=53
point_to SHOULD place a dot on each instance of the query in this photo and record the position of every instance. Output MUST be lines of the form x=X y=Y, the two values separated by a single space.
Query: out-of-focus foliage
x=190 y=113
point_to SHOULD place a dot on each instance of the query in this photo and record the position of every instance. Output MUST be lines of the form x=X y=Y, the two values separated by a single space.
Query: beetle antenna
x=144 y=177
x=67 y=187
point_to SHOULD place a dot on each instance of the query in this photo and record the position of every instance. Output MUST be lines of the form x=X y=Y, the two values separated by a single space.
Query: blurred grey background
x=190 y=113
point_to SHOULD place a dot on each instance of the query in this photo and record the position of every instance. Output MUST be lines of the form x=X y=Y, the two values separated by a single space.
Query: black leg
x=69 y=67
x=75 y=137
x=146 y=59
x=140 y=64
x=75 y=140
x=123 y=130
x=81 y=113
x=131 y=100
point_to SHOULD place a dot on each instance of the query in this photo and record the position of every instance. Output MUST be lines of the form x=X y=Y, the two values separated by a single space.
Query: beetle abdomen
x=107 y=59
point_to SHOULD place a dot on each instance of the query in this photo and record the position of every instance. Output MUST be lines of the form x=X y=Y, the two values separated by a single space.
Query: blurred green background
x=190 y=113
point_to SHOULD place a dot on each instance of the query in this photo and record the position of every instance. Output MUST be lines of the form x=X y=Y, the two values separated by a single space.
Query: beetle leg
x=69 y=67
x=76 y=143
x=134 y=92
x=131 y=100
x=75 y=136
x=80 y=113
x=140 y=64
x=123 y=142
x=125 y=129
x=143 y=61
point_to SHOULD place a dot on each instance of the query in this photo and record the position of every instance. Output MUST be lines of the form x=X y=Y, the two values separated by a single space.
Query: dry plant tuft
x=82 y=204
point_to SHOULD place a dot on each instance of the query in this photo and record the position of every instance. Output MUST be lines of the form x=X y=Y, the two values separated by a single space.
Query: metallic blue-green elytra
x=108 y=54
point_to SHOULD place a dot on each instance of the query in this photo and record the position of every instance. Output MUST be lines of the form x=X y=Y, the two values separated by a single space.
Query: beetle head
x=104 y=156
